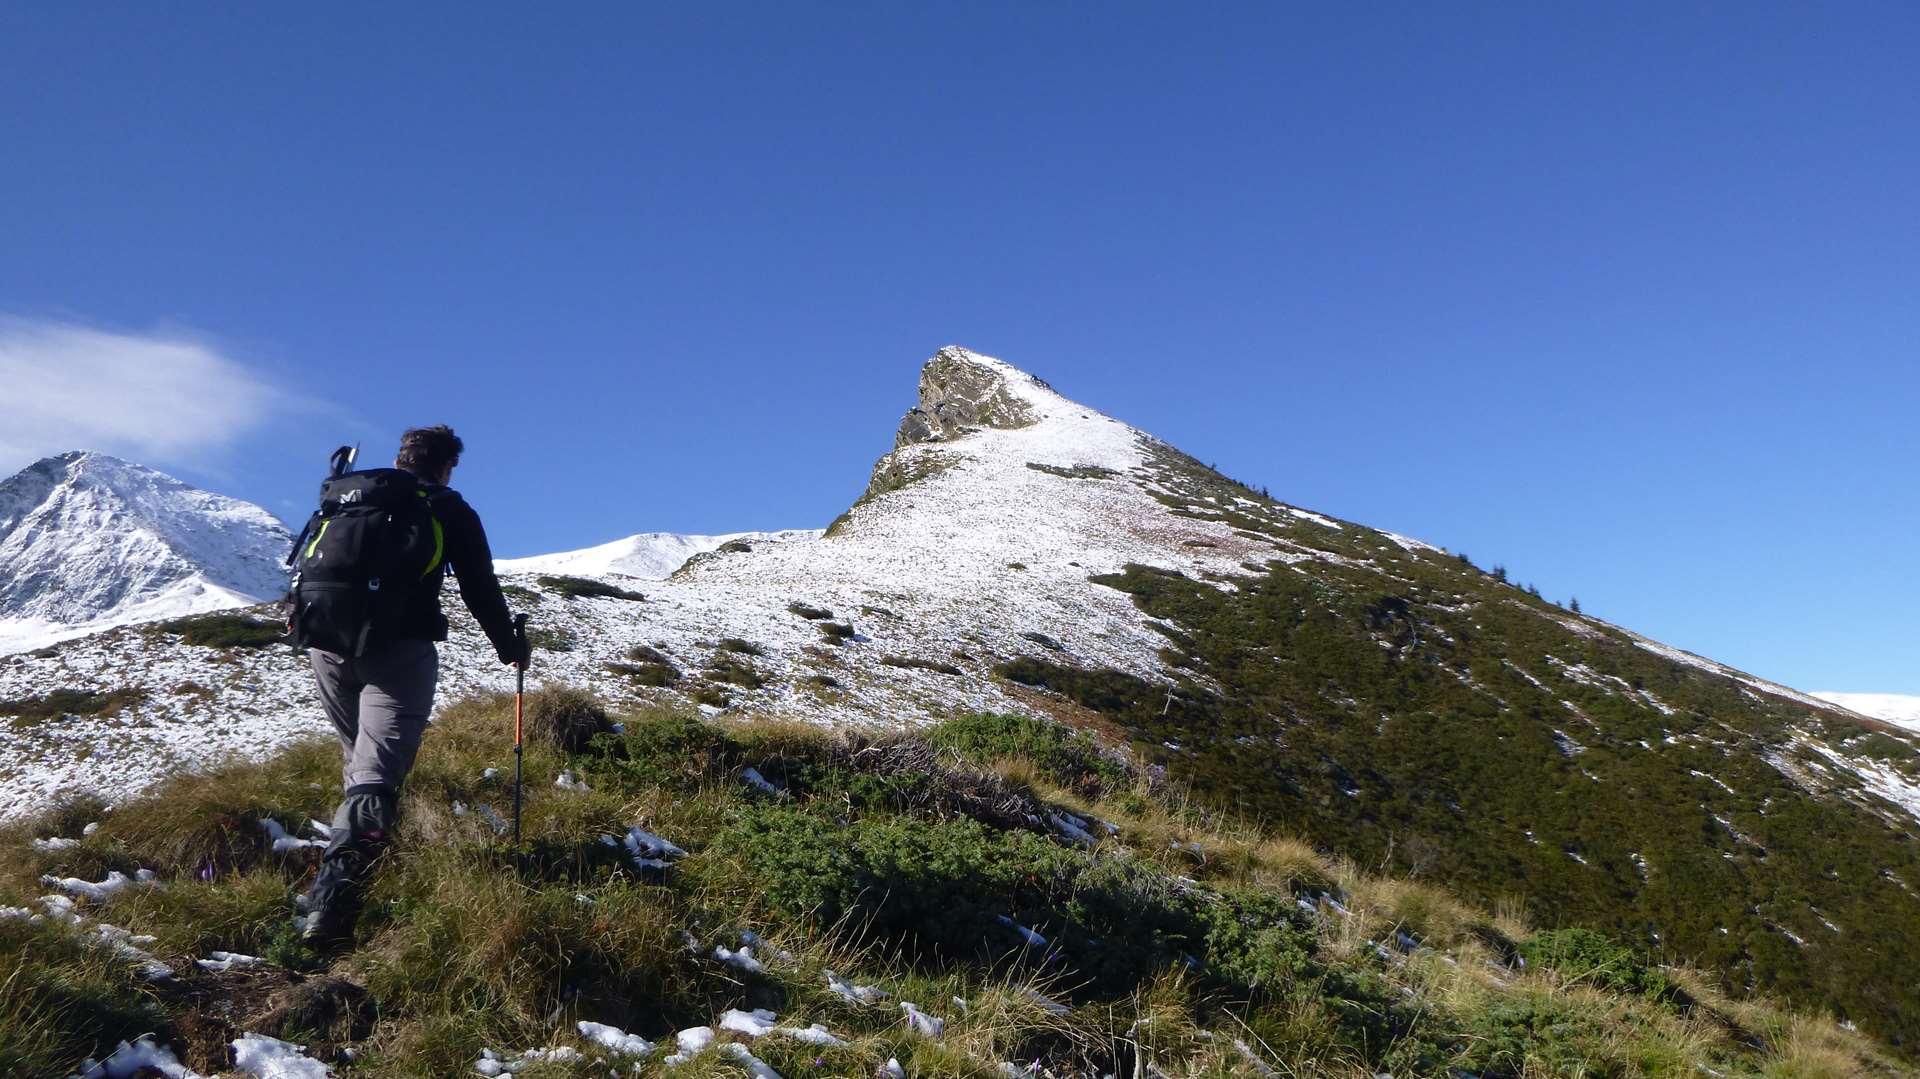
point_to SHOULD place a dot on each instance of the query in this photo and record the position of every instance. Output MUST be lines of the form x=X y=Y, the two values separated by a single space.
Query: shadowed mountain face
x=89 y=541
x=1017 y=551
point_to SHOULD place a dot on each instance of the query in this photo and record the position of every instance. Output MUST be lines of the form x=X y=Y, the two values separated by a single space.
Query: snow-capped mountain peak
x=88 y=541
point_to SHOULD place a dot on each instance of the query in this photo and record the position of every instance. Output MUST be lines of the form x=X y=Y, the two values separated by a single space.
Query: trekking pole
x=519 y=713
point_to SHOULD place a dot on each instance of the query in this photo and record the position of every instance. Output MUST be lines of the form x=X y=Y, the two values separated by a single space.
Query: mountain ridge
x=1018 y=552
x=646 y=555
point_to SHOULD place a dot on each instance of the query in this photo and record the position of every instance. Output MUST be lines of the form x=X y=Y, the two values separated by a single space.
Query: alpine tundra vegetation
x=994 y=895
x=1058 y=753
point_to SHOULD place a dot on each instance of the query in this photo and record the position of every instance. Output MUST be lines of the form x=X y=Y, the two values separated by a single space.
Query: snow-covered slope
x=89 y=541
x=1898 y=709
x=1019 y=552
x=650 y=555
x=974 y=544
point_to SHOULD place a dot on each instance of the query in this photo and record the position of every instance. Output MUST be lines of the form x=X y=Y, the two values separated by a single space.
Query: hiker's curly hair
x=427 y=451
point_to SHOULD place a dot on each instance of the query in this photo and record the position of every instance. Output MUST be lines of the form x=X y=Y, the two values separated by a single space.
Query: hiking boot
x=327 y=930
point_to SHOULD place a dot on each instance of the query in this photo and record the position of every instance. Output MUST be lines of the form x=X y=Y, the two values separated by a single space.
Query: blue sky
x=1620 y=296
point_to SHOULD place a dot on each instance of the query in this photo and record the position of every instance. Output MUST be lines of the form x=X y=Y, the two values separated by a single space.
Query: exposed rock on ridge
x=958 y=394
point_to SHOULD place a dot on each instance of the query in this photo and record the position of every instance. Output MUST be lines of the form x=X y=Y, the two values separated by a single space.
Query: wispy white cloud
x=164 y=396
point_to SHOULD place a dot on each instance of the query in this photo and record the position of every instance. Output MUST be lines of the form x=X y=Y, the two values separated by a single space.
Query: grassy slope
x=1403 y=708
x=890 y=862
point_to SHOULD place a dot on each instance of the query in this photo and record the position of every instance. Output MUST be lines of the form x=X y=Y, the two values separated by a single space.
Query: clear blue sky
x=1625 y=297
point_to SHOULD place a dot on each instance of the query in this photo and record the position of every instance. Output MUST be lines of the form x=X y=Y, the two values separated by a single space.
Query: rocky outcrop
x=957 y=394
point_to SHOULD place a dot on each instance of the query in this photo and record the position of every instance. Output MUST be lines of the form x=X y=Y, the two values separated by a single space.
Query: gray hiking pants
x=379 y=705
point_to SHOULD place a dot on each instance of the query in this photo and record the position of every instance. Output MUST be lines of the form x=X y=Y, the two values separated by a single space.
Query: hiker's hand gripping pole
x=519 y=712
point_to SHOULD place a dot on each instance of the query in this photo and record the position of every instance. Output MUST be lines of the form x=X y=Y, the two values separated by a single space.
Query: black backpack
x=369 y=549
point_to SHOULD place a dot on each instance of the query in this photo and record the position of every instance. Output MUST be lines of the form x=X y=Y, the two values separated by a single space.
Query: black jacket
x=471 y=562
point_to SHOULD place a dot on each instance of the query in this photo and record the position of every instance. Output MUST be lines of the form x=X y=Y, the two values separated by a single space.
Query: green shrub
x=520 y=592
x=1579 y=954
x=947 y=890
x=69 y=702
x=809 y=612
x=1062 y=755
x=711 y=695
x=835 y=632
x=647 y=674
x=936 y=887
x=740 y=646
x=1101 y=690
x=666 y=748
x=735 y=672
x=919 y=664
x=225 y=631
x=579 y=587
x=1254 y=939
x=1531 y=1035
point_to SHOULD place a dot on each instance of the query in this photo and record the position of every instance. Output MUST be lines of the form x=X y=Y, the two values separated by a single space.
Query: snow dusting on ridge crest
x=647 y=555
x=975 y=543
x=976 y=548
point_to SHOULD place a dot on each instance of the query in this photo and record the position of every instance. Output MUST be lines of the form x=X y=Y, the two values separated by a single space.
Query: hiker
x=370 y=641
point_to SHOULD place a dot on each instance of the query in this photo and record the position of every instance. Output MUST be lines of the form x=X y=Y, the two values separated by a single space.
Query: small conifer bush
x=1583 y=955
x=735 y=672
x=1063 y=756
x=919 y=664
x=226 y=631
x=655 y=675
x=68 y=702
x=582 y=587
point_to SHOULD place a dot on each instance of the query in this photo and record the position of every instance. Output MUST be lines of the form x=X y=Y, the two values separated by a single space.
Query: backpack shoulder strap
x=439 y=559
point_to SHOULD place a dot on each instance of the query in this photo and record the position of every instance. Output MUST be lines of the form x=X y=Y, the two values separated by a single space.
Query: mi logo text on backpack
x=361 y=558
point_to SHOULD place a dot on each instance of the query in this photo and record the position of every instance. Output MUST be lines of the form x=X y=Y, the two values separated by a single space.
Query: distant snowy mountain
x=652 y=555
x=89 y=541
x=1898 y=709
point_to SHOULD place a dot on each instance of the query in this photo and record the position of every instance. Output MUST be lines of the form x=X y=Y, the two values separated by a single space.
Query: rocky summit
x=1018 y=553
